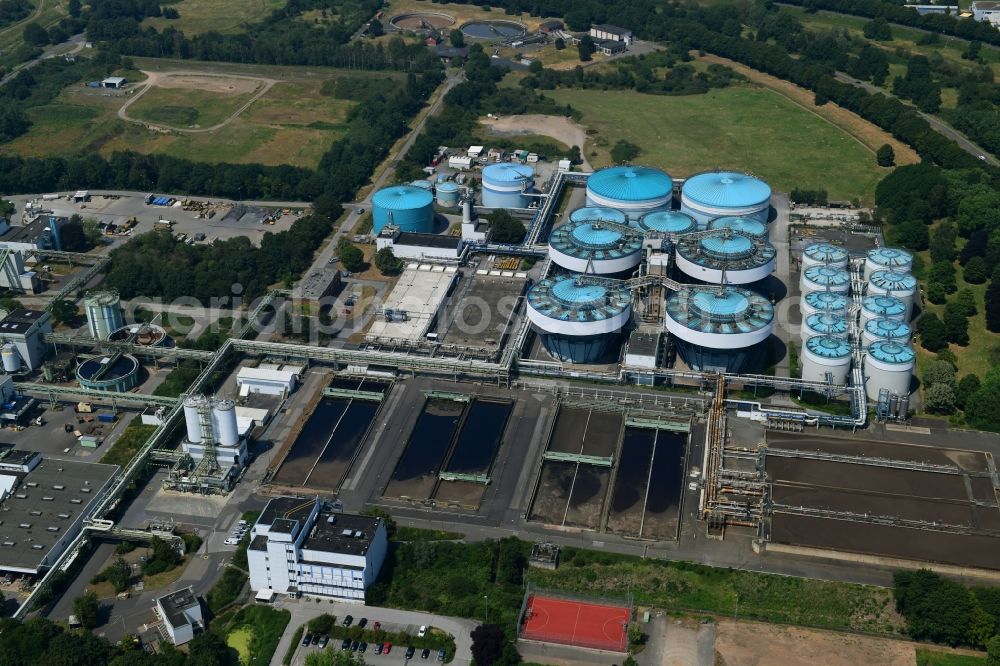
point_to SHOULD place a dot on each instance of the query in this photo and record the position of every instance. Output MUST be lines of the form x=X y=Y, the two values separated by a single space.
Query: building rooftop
x=290 y=508
x=45 y=506
x=418 y=293
x=614 y=29
x=631 y=183
x=174 y=605
x=344 y=533
x=20 y=320
x=644 y=343
x=30 y=233
x=427 y=240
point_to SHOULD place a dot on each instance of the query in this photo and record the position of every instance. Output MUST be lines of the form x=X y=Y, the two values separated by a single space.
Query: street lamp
x=487 y=597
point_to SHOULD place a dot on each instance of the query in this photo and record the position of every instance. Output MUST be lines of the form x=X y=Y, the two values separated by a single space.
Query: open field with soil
x=461 y=13
x=225 y=16
x=741 y=127
x=292 y=122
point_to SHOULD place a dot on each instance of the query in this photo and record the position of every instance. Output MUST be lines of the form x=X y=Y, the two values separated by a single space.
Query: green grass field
x=935 y=658
x=739 y=127
x=225 y=16
x=291 y=124
x=186 y=107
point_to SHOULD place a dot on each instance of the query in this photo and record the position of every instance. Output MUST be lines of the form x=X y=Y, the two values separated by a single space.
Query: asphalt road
x=944 y=128
x=75 y=42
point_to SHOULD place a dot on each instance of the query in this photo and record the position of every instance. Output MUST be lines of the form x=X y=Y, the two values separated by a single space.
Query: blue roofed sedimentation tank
x=745 y=259
x=632 y=189
x=826 y=358
x=116 y=372
x=886 y=329
x=882 y=307
x=505 y=185
x=407 y=207
x=887 y=259
x=825 y=278
x=824 y=254
x=598 y=214
x=578 y=318
x=600 y=248
x=747 y=225
x=712 y=194
x=825 y=324
x=720 y=329
x=667 y=222
x=823 y=301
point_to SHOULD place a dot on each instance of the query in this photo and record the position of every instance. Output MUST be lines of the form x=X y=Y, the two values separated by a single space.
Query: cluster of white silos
x=216 y=416
x=885 y=331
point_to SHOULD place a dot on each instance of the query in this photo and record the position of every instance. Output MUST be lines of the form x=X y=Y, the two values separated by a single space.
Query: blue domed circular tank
x=745 y=224
x=826 y=323
x=598 y=214
x=887 y=329
x=447 y=194
x=883 y=307
x=888 y=258
x=505 y=185
x=720 y=193
x=825 y=278
x=890 y=351
x=594 y=247
x=824 y=254
x=632 y=189
x=828 y=346
x=407 y=207
x=824 y=301
x=727 y=248
x=107 y=373
x=892 y=281
x=667 y=222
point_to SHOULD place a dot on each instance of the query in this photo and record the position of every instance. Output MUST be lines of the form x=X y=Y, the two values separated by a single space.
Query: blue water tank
x=504 y=185
x=633 y=189
x=447 y=194
x=409 y=208
x=718 y=193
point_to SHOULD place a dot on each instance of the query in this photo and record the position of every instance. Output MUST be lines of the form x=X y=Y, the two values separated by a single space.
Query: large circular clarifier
x=595 y=247
x=720 y=329
x=744 y=259
x=493 y=30
x=578 y=320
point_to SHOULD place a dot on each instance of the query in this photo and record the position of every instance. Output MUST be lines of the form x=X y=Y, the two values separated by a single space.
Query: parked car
x=409 y=652
x=376 y=626
x=423 y=631
x=345 y=644
x=231 y=541
x=348 y=620
x=426 y=653
x=324 y=639
x=315 y=639
x=386 y=648
x=354 y=646
x=363 y=648
x=378 y=648
x=306 y=640
x=363 y=622
x=441 y=654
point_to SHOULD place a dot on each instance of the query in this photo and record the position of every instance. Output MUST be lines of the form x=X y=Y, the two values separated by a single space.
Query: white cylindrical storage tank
x=467 y=215
x=824 y=254
x=712 y=194
x=11 y=358
x=671 y=222
x=598 y=214
x=825 y=278
x=886 y=329
x=901 y=285
x=882 y=307
x=887 y=259
x=595 y=247
x=578 y=319
x=634 y=190
x=824 y=324
x=192 y=419
x=823 y=301
x=747 y=225
x=744 y=259
x=720 y=329
x=447 y=194
x=888 y=365
x=224 y=422
x=505 y=184
x=104 y=313
x=825 y=355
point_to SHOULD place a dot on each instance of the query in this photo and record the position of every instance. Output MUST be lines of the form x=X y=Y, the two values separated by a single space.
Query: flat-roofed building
x=181 y=614
x=606 y=32
x=986 y=11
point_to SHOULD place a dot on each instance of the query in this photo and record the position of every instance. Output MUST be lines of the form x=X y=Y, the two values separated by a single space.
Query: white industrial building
x=409 y=245
x=215 y=423
x=22 y=332
x=14 y=276
x=986 y=11
x=181 y=614
x=268 y=381
x=611 y=33
x=300 y=546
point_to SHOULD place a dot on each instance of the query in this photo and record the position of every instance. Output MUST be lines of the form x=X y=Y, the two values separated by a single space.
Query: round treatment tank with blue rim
x=712 y=194
x=505 y=184
x=593 y=247
x=886 y=329
x=826 y=358
x=107 y=373
x=667 y=222
x=632 y=189
x=824 y=323
x=407 y=207
x=448 y=194
x=888 y=365
x=578 y=319
x=745 y=224
x=825 y=278
x=598 y=214
x=720 y=329
x=824 y=254
x=745 y=259
x=823 y=301
x=882 y=307
x=887 y=259
x=423 y=184
x=901 y=285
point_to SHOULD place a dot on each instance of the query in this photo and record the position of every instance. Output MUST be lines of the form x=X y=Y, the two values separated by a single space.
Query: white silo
x=824 y=324
x=881 y=307
x=825 y=355
x=886 y=329
x=823 y=301
x=104 y=313
x=824 y=254
x=224 y=422
x=825 y=278
x=888 y=365
x=11 y=358
x=192 y=417
x=901 y=285
x=887 y=259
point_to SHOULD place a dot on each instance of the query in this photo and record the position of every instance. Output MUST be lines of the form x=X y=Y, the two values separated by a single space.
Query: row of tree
x=943 y=611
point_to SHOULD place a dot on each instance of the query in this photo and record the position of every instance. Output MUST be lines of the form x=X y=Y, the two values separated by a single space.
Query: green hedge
x=227 y=590
x=290 y=652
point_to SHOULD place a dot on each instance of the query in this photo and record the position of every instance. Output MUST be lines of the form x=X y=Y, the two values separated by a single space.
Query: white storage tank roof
x=823 y=301
x=595 y=247
x=886 y=329
x=825 y=278
x=888 y=259
x=745 y=259
x=826 y=355
x=824 y=254
x=882 y=307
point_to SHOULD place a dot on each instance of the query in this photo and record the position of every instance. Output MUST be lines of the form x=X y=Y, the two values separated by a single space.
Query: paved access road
x=392 y=619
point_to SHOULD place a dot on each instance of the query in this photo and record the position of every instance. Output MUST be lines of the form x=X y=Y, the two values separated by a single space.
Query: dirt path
x=862 y=131
x=560 y=128
x=759 y=644
x=176 y=79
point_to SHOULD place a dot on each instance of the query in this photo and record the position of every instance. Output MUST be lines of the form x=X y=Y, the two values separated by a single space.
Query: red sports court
x=580 y=623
